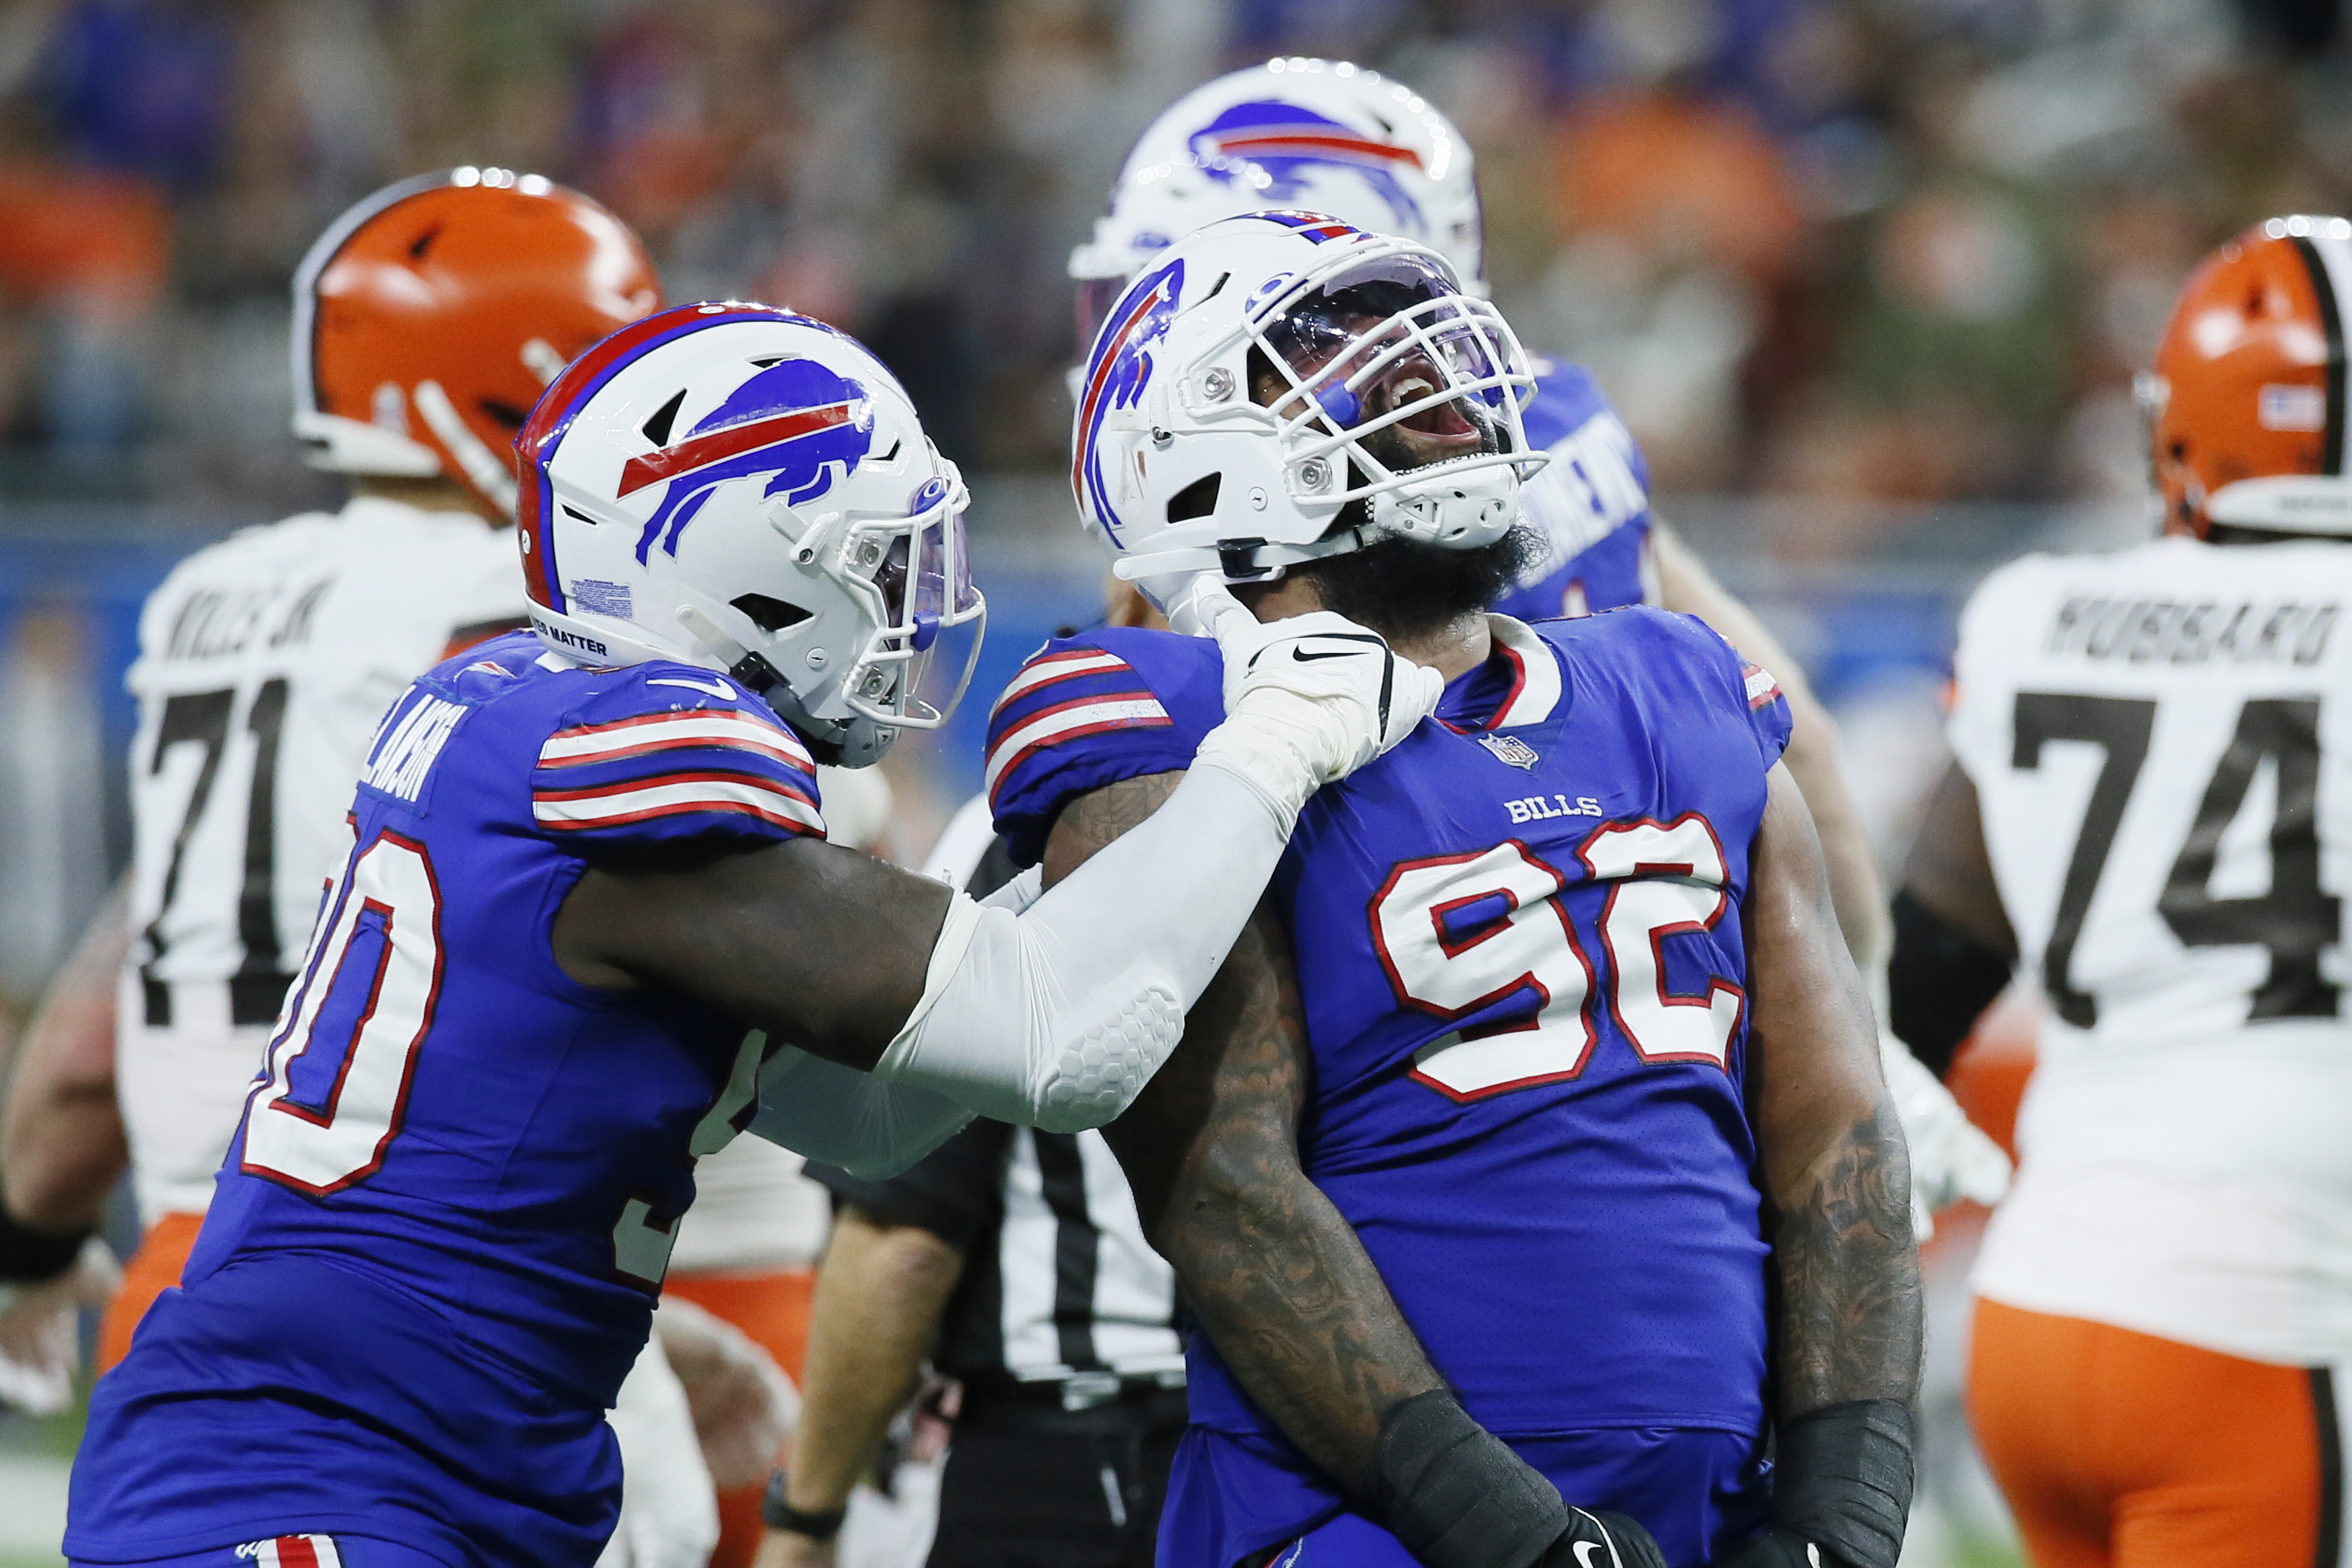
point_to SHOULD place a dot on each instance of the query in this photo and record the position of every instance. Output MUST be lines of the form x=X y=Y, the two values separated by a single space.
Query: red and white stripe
x=1067 y=722
x=654 y=733
x=674 y=795
x=293 y=1552
x=1049 y=669
x=1761 y=685
x=1535 y=691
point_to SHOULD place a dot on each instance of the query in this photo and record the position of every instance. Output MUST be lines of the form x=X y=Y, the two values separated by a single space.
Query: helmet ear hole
x=1198 y=499
x=771 y=615
x=656 y=428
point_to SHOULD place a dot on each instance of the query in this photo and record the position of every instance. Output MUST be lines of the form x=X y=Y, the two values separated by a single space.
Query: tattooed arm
x=1837 y=1178
x=1279 y=1279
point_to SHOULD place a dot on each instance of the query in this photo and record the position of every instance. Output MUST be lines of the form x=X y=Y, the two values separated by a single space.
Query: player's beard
x=1405 y=590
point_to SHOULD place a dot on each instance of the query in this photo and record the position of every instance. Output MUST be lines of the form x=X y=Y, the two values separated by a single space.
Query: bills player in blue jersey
x=1331 y=137
x=583 y=861
x=1543 y=1063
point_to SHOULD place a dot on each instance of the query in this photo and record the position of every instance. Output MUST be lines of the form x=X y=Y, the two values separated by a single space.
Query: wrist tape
x=29 y=1257
x=1454 y=1494
x=1842 y=1480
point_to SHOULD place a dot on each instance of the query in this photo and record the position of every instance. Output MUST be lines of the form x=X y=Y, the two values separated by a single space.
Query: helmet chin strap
x=853 y=742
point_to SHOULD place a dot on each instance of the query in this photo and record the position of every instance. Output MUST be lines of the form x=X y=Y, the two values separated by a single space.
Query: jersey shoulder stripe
x=620 y=740
x=661 y=752
x=1053 y=668
x=675 y=795
x=1091 y=712
x=1064 y=722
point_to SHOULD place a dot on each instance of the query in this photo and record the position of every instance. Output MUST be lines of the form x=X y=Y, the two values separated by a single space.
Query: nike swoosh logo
x=1303 y=657
x=718 y=689
x=1583 y=1561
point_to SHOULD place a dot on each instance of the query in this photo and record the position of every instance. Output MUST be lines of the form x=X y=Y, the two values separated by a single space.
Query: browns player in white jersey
x=2151 y=814
x=427 y=320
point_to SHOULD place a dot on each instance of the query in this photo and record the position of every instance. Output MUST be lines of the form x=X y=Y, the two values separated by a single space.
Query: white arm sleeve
x=871 y=1128
x=1057 y=1016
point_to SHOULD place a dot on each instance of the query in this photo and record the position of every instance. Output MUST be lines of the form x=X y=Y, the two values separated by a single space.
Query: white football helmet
x=1179 y=470
x=1317 y=135
x=747 y=489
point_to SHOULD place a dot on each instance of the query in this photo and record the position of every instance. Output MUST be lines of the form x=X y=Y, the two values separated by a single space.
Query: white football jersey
x=265 y=663
x=2161 y=744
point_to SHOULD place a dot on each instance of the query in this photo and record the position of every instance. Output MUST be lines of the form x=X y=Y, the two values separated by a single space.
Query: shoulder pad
x=660 y=752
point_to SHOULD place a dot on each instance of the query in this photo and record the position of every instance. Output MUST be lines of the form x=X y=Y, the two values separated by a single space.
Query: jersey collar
x=1527 y=661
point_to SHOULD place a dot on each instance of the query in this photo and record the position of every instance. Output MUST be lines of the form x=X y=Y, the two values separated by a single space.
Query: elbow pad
x=1022 y=1037
x=854 y=1119
x=1057 y=1016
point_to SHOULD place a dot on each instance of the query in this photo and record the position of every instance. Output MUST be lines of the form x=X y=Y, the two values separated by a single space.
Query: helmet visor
x=918 y=662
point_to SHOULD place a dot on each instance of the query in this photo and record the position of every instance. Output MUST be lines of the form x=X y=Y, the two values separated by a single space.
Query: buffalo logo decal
x=1294 y=145
x=795 y=419
x=1116 y=374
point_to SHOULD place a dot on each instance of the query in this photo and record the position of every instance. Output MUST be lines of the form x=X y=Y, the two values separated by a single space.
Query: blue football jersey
x=1520 y=944
x=437 y=1240
x=1591 y=501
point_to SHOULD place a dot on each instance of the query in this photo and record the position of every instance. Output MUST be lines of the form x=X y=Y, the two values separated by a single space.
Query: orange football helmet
x=429 y=317
x=2247 y=398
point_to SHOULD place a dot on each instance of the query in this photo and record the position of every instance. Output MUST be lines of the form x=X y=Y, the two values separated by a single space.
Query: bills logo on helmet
x=1310 y=225
x=1116 y=373
x=795 y=419
x=1291 y=144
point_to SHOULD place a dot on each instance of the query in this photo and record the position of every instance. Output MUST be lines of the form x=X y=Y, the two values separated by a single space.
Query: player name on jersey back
x=2247 y=630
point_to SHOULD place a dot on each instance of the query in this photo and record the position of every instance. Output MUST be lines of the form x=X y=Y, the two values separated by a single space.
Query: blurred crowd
x=1836 y=249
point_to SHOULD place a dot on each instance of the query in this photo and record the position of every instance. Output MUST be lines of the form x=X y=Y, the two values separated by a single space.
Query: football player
x=1331 y=137
x=1545 y=1053
x=427 y=320
x=2150 y=811
x=579 y=862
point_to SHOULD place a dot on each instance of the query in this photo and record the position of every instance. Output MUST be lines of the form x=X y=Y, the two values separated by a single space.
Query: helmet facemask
x=1389 y=389
x=910 y=579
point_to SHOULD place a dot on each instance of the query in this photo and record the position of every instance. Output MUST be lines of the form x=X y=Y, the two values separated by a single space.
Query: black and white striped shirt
x=1058 y=1282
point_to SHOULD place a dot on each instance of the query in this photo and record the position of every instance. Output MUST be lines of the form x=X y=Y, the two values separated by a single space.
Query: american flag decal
x=1761 y=688
x=293 y=1552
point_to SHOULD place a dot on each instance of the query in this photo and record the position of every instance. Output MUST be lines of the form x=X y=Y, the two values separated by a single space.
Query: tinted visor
x=1387 y=334
x=919 y=660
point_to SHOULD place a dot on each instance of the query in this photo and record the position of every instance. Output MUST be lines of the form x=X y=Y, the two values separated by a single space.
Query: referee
x=1014 y=1259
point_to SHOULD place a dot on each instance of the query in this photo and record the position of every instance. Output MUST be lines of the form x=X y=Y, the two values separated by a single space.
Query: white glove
x=744 y=1406
x=1951 y=1157
x=39 y=1348
x=1308 y=700
x=669 y=1515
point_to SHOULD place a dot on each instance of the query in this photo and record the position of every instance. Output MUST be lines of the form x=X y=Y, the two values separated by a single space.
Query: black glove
x=1841 y=1490
x=1596 y=1538
x=1776 y=1548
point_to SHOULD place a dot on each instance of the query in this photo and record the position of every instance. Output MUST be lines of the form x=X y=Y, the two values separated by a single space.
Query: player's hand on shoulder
x=1598 y=1538
x=1309 y=699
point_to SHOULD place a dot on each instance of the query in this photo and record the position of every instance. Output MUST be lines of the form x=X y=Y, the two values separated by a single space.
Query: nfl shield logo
x=1512 y=749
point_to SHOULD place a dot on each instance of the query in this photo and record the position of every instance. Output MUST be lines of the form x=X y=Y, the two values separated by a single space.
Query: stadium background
x=1868 y=277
